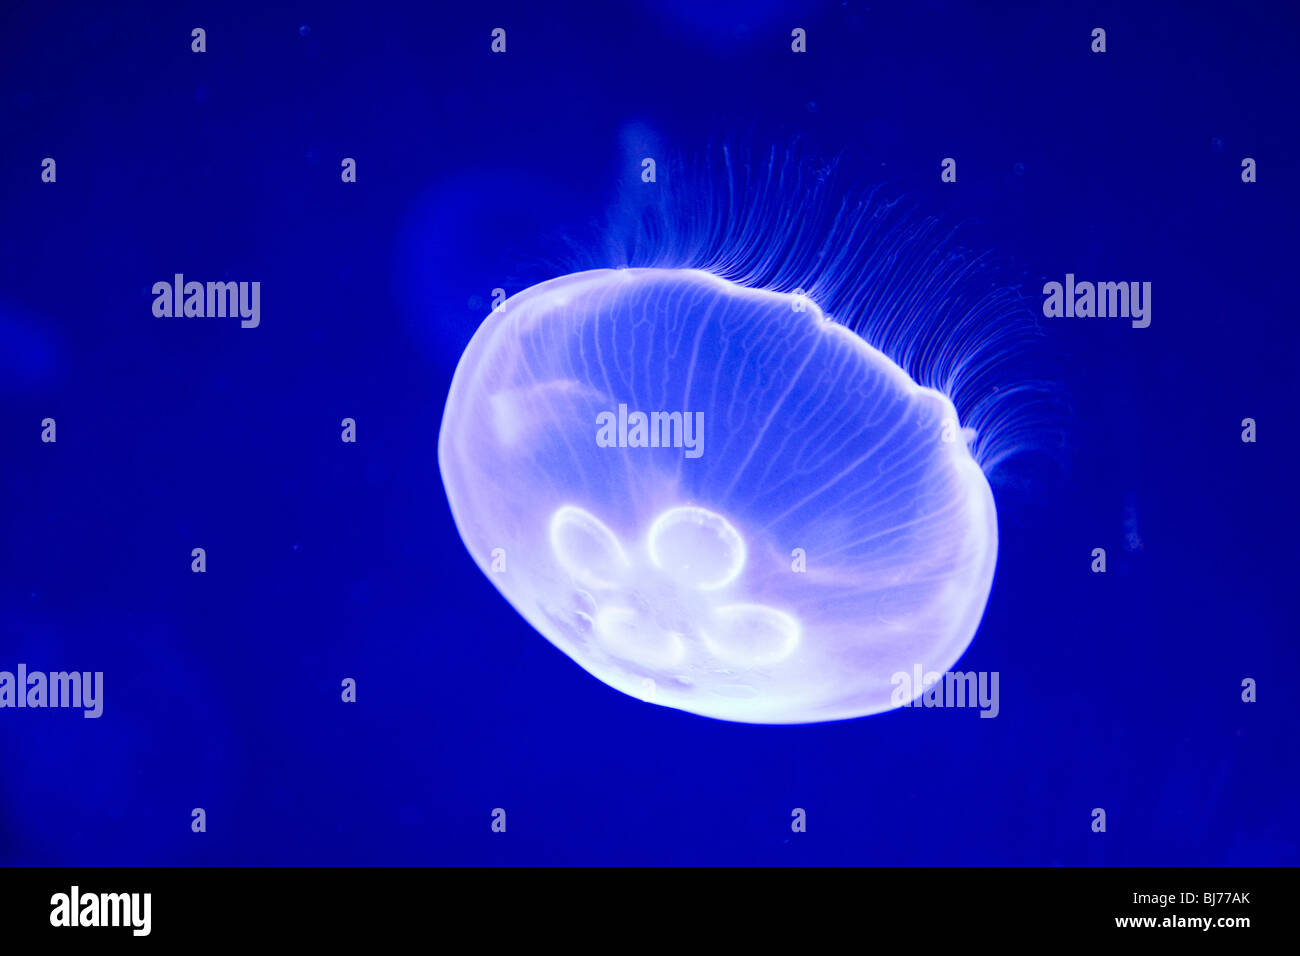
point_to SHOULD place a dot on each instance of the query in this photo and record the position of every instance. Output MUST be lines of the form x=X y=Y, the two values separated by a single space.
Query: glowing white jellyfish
x=712 y=496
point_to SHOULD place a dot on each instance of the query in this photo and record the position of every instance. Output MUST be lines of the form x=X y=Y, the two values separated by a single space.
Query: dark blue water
x=327 y=560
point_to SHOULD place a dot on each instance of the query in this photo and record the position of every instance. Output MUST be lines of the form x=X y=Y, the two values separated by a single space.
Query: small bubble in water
x=304 y=30
x=1216 y=144
x=1019 y=169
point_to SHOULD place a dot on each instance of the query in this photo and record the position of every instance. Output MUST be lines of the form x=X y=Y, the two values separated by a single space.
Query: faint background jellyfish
x=747 y=465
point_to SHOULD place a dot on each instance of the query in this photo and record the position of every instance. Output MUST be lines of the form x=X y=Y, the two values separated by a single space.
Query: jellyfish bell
x=708 y=486
x=831 y=533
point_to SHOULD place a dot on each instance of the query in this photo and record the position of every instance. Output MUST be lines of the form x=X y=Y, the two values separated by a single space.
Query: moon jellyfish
x=713 y=495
